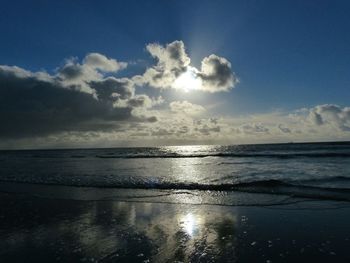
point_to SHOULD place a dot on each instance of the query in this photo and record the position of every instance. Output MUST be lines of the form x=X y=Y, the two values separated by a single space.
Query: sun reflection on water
x=189 y=149
x=190 y=224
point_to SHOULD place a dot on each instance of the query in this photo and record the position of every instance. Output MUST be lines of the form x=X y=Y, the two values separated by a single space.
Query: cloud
x=216 y=74
x=207 y=126
x=172 y=62
x=101 y=62
x=207 y=130
x=159 y=126
x=186 y=108
x=331 y=114
x=172 y=57
x=315 y=118
x=93 y=67
x=284 y=129
x=113 y=89
x=14 y=71
x=161 y=132
x=39 y=104
x=144 y=101
x=86 y=101
x=253 y=128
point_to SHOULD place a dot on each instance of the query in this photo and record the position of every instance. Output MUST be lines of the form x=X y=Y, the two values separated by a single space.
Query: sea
x=265 y=174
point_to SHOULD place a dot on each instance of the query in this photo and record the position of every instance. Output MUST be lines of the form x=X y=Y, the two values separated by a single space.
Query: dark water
x=316 y=170
x=67 y=205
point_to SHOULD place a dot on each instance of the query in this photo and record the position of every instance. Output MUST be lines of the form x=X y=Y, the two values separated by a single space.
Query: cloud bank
x=86 y=103
x=77 y=98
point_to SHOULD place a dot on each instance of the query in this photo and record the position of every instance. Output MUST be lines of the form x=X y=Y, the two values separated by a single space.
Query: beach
x=58 y=226
x=244 y=203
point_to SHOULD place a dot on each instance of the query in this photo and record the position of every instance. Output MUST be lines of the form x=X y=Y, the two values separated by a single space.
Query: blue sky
x=287 y=54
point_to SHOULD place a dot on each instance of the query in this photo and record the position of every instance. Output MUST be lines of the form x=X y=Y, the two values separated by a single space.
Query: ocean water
x=203 y=174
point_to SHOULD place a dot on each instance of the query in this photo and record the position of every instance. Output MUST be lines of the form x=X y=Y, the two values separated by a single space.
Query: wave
x=237 y=155
x=275 y=187
x=326 y=179
x=163 y=155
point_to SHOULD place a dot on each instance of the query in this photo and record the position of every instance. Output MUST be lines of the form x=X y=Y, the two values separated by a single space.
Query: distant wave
x=300 y=170
x=253 y=155
x=252 y=151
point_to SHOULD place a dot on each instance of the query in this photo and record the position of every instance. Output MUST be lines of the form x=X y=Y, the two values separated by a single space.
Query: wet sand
x=37 y=229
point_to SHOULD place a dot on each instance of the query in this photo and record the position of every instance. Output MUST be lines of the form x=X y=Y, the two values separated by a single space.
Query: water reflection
x=189 y=224
x=189 y=149
x=107 y=231
x=52 y=230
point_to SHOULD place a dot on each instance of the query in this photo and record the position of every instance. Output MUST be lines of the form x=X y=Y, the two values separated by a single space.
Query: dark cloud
x=216 y=74
x=39 y=105
x=113 y=89
x=169 y=131
x=206 y=130
x=93 y=63
x=183 y=129
x=137 y=102
x=214 y=120
x=71 y=71
x=254 y=128
x=316 y=118
x=284 y=129
x=161 y=132
x=152 y=119
x=171 y=57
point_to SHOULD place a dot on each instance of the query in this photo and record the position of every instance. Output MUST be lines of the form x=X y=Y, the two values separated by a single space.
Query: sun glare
x=189 y=224
x=188 y=81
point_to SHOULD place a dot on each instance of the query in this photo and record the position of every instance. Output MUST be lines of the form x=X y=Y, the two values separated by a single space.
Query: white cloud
x=331 y=114
x=14 y=71
x=173 y=63
x=172 y=60
x=101 y=62
x=92 y=68
x=186 y=107
x=171 y=57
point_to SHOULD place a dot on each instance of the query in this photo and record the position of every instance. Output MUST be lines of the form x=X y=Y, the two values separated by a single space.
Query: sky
x=149 y=73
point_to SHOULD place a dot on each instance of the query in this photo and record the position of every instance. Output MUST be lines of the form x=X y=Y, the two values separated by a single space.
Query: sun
x=188 y=80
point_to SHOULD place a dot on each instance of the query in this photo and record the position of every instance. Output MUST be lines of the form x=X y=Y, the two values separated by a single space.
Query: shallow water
x=56 y=230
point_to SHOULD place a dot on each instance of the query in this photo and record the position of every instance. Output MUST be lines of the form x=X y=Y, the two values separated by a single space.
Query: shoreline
x=46 y=229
